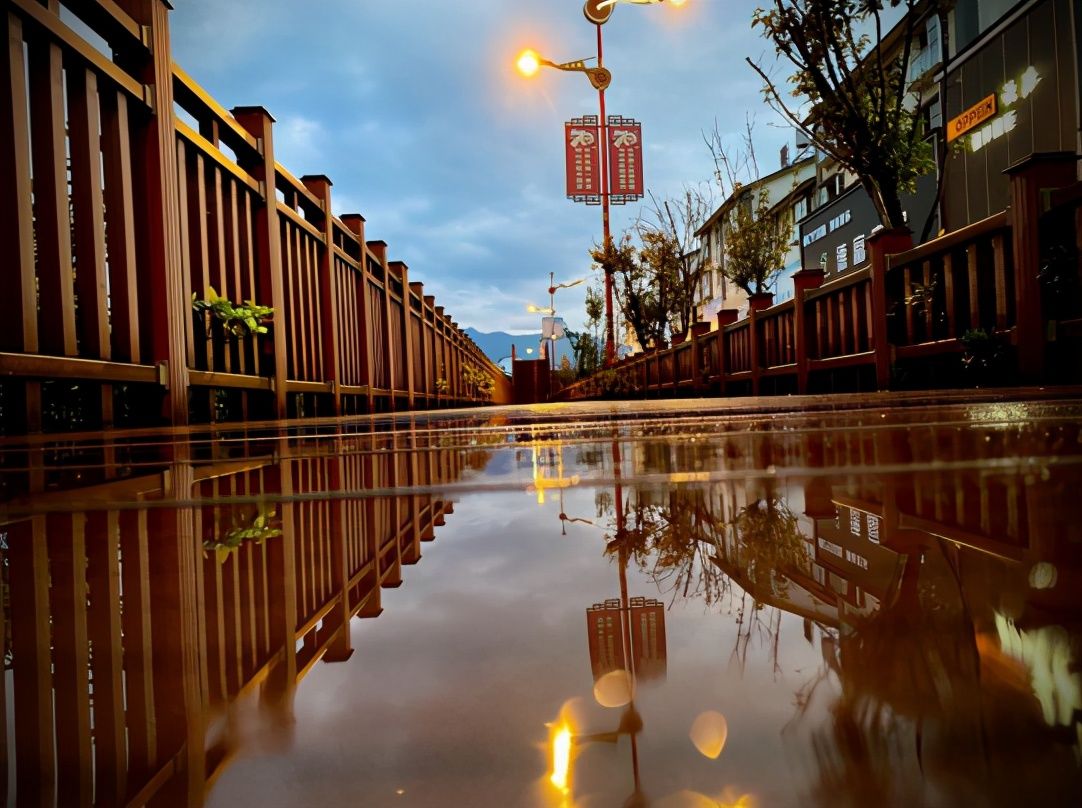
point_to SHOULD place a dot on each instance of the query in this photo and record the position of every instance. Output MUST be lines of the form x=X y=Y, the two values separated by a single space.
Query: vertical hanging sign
x=625 y=159
x=582 y=143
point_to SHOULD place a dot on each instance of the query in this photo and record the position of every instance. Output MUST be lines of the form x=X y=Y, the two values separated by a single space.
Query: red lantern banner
x=582 y=144
x=625 y=159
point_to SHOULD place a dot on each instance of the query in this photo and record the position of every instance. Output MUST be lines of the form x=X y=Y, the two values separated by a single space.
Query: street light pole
x=606 y=234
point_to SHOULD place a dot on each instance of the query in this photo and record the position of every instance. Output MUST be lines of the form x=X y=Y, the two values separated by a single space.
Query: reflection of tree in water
x=770 y=544
x=670 y=541
x=918 y=717
x=909 y=678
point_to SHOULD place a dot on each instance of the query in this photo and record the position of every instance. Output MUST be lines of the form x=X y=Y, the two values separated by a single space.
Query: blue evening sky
x=414 y=110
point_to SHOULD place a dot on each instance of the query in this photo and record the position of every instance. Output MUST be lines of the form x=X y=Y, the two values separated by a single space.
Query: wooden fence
x=128 y=642
x=126 y=189
x=904 y=320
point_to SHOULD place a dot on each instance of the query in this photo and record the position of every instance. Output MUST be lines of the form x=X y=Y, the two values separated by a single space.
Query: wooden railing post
x=354 y=222
x=160 y=251
x=420 y=362
x=402 y=271
x=698 y=330
x=443 y=360
x=1029 y=177
x=880 y=244
x=803 y=281
x=756 y=303
x=725 y=317
x=320 y=186
x=18 y=305
x=259 y=123
x=379 y=249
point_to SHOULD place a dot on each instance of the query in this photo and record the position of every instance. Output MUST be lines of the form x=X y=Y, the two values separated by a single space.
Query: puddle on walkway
x=553 y=607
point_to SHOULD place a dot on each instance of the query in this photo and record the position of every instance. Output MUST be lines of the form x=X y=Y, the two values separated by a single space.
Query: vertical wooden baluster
x=120 y=227
x=999 y=260
x=974 y=300
x=103 y=583
x=28 y=576
x=948 y=291
x=56 y=290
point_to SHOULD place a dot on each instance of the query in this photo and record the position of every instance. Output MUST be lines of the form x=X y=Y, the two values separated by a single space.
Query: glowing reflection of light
x=1043 y=575
x=1046 y=653
x=561 y=758
x=709 y=732
x=613 y=689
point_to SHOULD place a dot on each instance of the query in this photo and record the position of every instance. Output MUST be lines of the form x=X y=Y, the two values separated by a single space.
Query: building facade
x=789 y=191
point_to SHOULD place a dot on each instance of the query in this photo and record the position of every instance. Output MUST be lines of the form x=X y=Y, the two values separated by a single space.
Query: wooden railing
x=127 y=190
x=904 y=320
x=128 y=641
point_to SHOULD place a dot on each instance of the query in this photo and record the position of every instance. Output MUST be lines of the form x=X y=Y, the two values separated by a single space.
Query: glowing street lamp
x=530 y=62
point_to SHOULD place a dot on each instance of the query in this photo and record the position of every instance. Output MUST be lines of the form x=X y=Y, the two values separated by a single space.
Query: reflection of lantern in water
x=709 y=732
x=561 y=757
x=613 y=689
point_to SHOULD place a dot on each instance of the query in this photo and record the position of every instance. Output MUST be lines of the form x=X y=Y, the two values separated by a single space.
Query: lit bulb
x=528 y=62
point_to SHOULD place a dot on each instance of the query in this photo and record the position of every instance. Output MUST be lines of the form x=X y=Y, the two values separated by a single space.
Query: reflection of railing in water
x=126 y=644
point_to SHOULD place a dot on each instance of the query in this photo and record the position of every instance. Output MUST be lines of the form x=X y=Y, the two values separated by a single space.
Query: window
x=800 y=209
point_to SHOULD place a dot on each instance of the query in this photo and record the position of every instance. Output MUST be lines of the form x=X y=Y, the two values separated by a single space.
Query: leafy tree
x=863 y=113
x=756 y=243
x=640 y=292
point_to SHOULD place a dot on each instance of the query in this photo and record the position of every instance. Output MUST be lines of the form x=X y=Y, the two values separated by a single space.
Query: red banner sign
x=582 y=143
x=625 y=159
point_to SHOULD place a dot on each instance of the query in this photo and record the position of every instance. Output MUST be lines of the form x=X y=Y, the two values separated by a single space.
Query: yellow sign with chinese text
x=972 y=117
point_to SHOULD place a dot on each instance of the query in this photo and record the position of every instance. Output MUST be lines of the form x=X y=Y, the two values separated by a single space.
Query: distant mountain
x=497 y=345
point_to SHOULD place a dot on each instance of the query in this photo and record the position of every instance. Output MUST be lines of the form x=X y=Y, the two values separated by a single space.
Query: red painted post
x=756 y=303
x=379 y=250
x=401 y=271
x=803 y=281
x=1029 y=177
x=725 y=317
x=160 y=252
x=354 y=222
x=697 y=331
x=268 y=242
x=880 y=244
x=320 y=186
x=417 y=288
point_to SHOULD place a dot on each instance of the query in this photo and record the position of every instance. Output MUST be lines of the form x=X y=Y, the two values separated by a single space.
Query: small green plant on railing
x=476 y=378
x=239 y=319
x=442 y=386
x=258 y=530
x=985 y=358
x=922 y=299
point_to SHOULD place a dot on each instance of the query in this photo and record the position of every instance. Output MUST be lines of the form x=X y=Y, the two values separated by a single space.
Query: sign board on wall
x=625 y=159
x=582 y=145
x=972 y=117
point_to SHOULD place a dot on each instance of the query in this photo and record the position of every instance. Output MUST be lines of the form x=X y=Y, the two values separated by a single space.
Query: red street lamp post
x=529 y=62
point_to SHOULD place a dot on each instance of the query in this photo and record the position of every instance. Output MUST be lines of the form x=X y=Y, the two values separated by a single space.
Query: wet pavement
x=874 y=600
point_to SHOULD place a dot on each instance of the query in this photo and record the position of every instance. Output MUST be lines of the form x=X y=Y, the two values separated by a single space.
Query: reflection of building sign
x=972 y=117
x=605 y=637
x=830 y=547
x=648 y=638
x=856 y=558
x=582 y=145
x=647 y=627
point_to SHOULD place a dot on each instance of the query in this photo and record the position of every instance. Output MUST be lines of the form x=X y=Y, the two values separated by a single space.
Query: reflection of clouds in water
x=449 y=691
